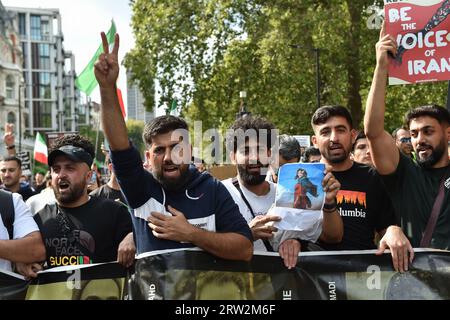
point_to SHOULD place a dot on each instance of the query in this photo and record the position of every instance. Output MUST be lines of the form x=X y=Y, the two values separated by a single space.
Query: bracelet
x=331 y=205
x=329 y=210
x=13 y=146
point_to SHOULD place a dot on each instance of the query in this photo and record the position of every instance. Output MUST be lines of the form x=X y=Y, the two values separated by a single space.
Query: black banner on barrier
x=196 y=275
x=12 y=286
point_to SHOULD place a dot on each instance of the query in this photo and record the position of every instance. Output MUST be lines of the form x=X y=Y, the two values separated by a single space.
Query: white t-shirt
x=259 y=204
x=24 y=224
x=37 y=202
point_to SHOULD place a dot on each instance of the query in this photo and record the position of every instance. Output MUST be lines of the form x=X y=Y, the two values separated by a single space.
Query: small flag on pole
x=173 y=106
x=40 y=149
x=86 y=81
x=122 y=106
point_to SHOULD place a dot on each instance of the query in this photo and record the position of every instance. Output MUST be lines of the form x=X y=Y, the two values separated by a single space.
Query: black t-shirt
x=25 y=191
x=413 y=190
x=364 y=206
x=107 y=192
x=39 y=187
x=87 y=234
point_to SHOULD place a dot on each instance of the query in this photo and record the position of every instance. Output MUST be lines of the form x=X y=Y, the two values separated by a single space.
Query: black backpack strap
x=236 y=184
x=68 y=227
x=7 y=212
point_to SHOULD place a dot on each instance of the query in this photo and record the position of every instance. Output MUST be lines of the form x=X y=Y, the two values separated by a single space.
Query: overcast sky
x=82 y=22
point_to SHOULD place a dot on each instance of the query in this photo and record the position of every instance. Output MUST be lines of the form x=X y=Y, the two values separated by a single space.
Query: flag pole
x=96 y=138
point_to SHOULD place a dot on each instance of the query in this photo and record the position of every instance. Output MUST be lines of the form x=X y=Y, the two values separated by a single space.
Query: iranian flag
x=40 y=149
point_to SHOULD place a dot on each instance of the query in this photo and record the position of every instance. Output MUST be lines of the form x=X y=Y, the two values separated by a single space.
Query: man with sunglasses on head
x=402 y=139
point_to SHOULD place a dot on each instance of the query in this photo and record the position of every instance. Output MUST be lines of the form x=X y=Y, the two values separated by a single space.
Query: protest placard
x=421 y=29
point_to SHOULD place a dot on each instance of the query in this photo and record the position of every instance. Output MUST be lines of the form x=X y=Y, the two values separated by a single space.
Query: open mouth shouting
x=63 y=186
x=171 y=170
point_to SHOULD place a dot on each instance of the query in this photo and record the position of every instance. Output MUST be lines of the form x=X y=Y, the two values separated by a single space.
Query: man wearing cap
x=80 y=229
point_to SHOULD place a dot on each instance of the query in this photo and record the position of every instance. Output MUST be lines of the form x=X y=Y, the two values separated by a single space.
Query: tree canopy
x=204 y=52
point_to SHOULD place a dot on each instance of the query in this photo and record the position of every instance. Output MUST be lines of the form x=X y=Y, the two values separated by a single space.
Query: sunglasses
x=405 y=140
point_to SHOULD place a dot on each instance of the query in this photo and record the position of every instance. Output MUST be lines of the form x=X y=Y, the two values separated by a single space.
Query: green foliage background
x=203 y=52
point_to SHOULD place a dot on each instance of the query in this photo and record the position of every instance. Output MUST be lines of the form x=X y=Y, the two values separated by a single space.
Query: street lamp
x=317 y=58
x=242 y=109
x=21 y=85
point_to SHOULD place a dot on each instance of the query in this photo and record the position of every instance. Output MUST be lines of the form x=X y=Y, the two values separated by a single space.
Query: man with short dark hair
x=419 y=189
x=39 y=182
x=361 y=151
x=251 y=154
x=288 y=152
x=110 y=190
x=362 y=201
x=79 y=229
x=311 y=155
x=10 y=173
x=174 y=205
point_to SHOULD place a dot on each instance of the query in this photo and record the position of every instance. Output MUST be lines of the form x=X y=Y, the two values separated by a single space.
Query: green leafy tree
x=135 y=130
x=92 y=135
x=202 y=53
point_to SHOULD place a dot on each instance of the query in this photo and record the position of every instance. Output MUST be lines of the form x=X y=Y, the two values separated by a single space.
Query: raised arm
x=9 y=139
x=385 y=154
x=107 y=72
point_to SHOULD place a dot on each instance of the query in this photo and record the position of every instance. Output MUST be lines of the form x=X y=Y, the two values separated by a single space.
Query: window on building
x=22 y=24
x=26 y=119
x=35 y=24
x=45 y=30
x=10 y=87
x=40 y=56
x=44 y=56
x=11 y=118
x=42 y=114
x=41 y=85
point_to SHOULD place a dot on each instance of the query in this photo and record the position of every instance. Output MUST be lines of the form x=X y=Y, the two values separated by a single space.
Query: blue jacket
x=205 y=202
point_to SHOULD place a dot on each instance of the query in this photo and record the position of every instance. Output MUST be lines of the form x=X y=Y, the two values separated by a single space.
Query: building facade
x=48 y=71
x=135 y=102
x=11 y=79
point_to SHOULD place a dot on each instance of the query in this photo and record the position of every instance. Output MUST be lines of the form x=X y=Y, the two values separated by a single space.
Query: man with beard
x=10 y=173
x=362 y=201
x=79 y=229
x=417 y=188
x=174 y=205
x=403 y=141
x=251 y=154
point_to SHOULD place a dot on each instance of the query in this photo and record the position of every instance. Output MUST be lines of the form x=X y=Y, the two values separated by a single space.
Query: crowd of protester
x=169 y=200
